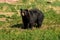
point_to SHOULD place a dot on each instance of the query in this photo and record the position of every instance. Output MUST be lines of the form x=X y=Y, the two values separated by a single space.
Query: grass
x=1 y=16
x=1 y=23
x=10 y=29
x=13 y=34
x=56 y=3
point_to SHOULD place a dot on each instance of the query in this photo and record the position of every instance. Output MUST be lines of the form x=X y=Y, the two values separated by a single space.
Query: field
x=11 y=21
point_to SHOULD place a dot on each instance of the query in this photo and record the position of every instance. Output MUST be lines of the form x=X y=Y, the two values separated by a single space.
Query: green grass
x=1 y=23
x=10 y=8
x=1 y=16
x=57 y=3
x=37 y=34
x=50 y=28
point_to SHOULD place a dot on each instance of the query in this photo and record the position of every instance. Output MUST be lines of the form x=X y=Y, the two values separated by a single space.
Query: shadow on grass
x=17 y=26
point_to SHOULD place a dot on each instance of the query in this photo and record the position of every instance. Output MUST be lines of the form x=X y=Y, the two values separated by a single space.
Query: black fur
x=32 y=17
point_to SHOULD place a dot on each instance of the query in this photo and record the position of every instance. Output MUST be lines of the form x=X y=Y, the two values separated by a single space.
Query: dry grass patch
x=51 y=0
x=7 y=13
x=57 y=9
x=9 y=1
x=2 y=19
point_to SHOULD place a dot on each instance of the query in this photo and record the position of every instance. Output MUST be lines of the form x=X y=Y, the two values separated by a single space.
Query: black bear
x=32 y=17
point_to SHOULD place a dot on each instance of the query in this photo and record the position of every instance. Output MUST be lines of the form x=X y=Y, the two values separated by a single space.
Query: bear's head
x=24 y=12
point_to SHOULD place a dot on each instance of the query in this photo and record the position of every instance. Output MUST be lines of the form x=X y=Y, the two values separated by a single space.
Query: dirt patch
x=2 y=19
x=11 y=1
x=2 y=1
x=8 y=1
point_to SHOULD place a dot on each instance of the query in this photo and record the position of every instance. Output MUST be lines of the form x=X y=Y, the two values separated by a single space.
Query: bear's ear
x=21 y=10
